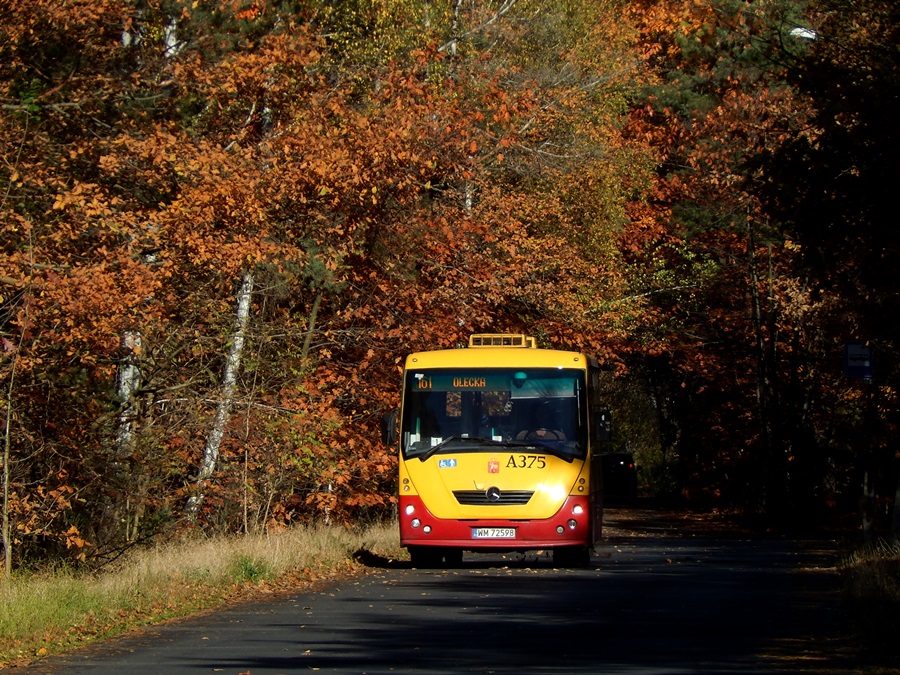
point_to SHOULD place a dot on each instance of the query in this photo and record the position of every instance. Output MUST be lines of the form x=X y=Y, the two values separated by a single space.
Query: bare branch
x=504 y=9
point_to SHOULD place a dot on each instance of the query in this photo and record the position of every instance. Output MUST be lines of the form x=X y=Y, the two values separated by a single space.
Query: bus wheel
x=426 y=557
x=572 y=556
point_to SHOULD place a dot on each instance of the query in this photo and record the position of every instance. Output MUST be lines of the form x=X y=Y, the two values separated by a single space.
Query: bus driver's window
x=543 y=425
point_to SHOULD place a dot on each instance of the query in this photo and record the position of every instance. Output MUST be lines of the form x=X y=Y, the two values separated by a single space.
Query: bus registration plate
x=493 y=533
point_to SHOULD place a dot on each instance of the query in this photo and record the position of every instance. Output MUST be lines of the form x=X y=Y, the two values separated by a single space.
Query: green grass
x=46 y=613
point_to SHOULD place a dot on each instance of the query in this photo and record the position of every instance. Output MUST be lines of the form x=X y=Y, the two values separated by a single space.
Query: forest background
x=225 y=223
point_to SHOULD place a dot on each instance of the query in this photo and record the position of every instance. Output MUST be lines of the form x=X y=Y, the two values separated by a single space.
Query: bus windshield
x=479 y=408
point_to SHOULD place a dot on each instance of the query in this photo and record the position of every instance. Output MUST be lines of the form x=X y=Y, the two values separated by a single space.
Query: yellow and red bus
x=499 y=451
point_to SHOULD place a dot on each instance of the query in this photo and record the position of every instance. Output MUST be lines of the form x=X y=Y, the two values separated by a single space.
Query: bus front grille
x=492 y=497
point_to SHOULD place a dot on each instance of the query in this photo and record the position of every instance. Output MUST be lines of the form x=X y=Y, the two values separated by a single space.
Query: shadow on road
x=658 y=598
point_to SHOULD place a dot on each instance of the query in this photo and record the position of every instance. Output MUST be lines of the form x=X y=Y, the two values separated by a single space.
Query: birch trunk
x=128 y=381
x=454 y=27
x=232 y=367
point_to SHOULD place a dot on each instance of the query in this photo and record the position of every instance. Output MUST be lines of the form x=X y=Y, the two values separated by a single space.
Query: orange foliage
x=382 y=207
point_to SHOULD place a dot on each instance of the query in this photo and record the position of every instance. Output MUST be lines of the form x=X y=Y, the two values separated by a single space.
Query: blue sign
x=858 y=360
x=446 y=463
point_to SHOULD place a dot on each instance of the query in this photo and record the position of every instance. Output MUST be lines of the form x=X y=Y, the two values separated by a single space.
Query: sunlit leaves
x=387 y=194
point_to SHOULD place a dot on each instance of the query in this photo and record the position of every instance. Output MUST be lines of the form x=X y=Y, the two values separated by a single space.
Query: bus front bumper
x=569 y=526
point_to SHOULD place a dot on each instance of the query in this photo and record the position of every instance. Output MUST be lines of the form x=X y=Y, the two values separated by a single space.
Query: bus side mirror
x=389 y=428
x=603 y=424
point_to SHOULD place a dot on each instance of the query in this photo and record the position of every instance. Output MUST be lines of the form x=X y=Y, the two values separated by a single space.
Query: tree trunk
x=895 y=523
x=128 y=381
x=7 y=539
x=774 y=492
x=307 y=340
x=868 y=504
x=232 y=367
x=454 y=27
x=7 y=454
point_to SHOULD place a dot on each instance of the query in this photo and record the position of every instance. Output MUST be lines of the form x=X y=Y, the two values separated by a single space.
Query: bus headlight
x=415 y=522
x=572 y=524
x=578 y=509
x=410 y=509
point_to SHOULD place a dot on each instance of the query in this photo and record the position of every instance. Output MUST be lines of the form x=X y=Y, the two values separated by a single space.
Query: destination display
x=519 y=384
x=461 y=382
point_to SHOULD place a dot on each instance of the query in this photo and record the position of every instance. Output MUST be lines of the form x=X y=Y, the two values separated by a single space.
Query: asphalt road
x=656 y=599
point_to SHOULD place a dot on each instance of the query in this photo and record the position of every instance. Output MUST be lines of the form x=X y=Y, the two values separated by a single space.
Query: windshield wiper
x=470 y=443
x=555 y=448
x=452 y=441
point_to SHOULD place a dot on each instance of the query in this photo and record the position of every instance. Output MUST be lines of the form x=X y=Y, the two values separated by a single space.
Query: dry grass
x=871 y=583
x=41 y=614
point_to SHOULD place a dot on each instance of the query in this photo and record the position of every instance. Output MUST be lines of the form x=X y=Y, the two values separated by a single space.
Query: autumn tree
x=832 y=187
x=721 y=271
x=60 y=88
x=329 y=186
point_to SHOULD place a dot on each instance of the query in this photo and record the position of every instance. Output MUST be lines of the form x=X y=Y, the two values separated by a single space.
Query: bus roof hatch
x=502 y=340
